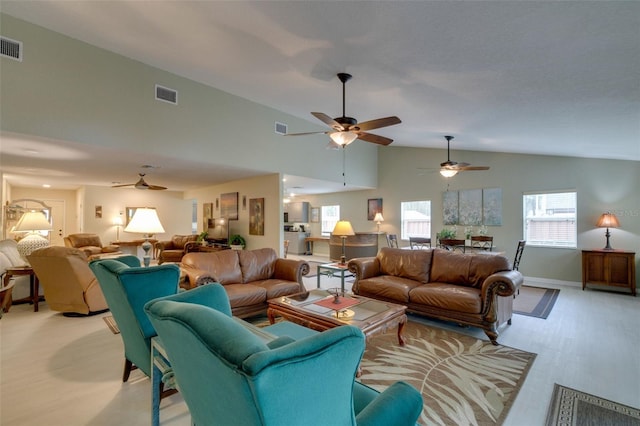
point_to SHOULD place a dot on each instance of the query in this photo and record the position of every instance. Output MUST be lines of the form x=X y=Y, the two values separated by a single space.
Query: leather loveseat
x=250 y=277
x=90 y=244
x=173 y=249
x=437 y=283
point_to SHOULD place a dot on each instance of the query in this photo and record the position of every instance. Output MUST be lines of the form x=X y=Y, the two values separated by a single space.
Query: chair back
x=225 y=372
x=392 y=240
x=484 y=242
x=452 y=244
x=68 y=283
x=519 y=250
x=127 y=289
x=418 y=243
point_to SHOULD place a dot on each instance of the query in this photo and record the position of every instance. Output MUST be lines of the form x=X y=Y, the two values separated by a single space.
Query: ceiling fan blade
x=370 y=137
x=471 y=168
x=124 y=184
x=328 y=120
x=378 y=123
x=156 y=187
x=304 y=133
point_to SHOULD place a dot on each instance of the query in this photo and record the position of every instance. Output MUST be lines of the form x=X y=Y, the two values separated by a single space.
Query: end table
x=34 y=286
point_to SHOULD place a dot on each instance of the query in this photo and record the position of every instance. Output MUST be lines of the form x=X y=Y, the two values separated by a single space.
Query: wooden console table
x=611 y=268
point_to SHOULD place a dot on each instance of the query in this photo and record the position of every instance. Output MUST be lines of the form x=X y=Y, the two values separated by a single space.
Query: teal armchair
x=126 y=290
x=228 y=375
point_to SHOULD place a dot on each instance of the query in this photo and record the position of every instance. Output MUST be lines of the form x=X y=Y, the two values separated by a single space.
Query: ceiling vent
x=281 y=128
x=165 y=94
x=11 y=48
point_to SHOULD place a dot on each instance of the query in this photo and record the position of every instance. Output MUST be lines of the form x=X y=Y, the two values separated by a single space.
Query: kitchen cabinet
x=612 y=268
x=296 y=242
x=298 y=212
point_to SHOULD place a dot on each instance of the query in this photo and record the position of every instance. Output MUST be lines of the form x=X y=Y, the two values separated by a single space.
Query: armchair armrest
x=197 y=277
x=291 y=270
x=399 y=404
x=364 y=267
x=190 y=246
x=163 y=245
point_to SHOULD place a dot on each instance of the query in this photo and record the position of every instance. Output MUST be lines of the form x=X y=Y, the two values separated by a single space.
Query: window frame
x=324 y=219
x=553 y=220
x=404 y=234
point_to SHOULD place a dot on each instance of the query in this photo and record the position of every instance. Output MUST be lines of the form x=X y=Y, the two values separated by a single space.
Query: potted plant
x=237 y=242
x=446 y=234
x=202 y=238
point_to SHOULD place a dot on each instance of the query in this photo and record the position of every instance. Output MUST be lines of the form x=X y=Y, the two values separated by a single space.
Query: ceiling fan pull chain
x=344 y=157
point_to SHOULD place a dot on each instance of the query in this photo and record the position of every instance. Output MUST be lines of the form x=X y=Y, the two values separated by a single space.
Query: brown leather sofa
x=250 y=277
x=90 y=244
x=462 y=288
x=174 y=249
x=69 y=284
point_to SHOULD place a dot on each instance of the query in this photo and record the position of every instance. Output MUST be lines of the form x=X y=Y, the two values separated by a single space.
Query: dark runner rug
x=535 y=302
x=463 y=380
x=570 y=407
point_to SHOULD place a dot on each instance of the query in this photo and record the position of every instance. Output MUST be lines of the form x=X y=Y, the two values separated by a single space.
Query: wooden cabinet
x=612 y=268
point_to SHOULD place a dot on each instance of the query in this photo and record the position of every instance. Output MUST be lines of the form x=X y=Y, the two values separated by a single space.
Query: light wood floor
x=60 y=371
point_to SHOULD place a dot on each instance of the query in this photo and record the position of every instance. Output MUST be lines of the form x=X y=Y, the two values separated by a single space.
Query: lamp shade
x=343 y=138
x=343 y=229
x=608 y=220
x=448 y=173
x=33 y=221
x=378 y=218
x=145 y=221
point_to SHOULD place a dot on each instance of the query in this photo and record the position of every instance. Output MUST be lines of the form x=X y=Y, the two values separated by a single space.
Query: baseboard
x=550 y=283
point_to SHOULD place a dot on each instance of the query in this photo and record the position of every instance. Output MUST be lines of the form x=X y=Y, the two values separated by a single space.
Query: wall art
x=256 y=216
x=229 y=206
x=374 y=205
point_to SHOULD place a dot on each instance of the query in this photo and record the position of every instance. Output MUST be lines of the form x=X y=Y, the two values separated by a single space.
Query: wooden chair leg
x=128 y=367
x=164 y=393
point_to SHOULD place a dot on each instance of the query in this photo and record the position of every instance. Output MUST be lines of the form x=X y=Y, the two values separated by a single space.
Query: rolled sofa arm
x=503 y=284
x=364 y=267
x=291 y=270
x=197 y=277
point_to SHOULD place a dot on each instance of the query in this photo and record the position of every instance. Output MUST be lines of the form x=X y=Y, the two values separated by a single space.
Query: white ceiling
x=543 y=77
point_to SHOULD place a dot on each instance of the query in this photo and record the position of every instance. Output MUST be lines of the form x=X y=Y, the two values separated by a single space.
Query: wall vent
x=11 y=48
x=165 y=94
x=281 y=128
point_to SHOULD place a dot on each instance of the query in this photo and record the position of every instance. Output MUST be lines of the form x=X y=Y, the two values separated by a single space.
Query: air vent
x=11 y=48
x=165 y=94
x=281 y=128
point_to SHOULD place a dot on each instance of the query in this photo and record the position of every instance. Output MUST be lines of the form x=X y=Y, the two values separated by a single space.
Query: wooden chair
x=392 y=240
x=452 y=244
x=418 y=243
x=483 y=242
x=519 y=250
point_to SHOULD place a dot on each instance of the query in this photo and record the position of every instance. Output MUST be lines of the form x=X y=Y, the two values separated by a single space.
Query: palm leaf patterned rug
x=463 y=380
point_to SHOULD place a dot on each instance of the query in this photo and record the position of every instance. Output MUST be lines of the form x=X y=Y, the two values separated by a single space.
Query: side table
x=332 y=270
x=34 y=286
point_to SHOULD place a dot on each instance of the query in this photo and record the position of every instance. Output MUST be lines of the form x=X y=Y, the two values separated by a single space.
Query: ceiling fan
x=451 y=168
x=141 y=184
x=346 y=129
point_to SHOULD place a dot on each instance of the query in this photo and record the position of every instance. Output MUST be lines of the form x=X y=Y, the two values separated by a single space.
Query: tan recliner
x=90 y=244
x=173 y=250
x=69 y=284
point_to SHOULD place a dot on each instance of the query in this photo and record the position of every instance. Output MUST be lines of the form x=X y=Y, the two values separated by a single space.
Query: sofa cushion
x=465 y=269
x=10 y=250
x=223 y=265
x=448 y=297
x=411 y=264
x=83 y=240
x=179 y=241
x=278 y=288
x=257 y=264
x=245 y=294
x=387 y=287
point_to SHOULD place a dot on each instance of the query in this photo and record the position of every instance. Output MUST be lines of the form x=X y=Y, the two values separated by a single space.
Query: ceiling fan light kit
x=142 y=184
x=451 y=168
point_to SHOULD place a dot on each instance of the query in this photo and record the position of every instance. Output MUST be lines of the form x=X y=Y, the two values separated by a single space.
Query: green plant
x=202 y=236
x=446 y=234
x=237 y=240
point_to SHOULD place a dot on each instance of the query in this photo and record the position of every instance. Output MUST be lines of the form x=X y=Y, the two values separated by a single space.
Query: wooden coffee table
x=313 y=310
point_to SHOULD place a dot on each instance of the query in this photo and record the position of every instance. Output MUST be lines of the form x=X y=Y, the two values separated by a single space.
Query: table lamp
x=117 y=221
x=145 y=221
x=32 y=222
x=608 y=220
x=378 y=219
x=343 y=229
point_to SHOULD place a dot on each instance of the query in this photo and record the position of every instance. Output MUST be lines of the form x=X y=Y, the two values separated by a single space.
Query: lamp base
x=146 y=246
x=31 y=243
x=608 y=246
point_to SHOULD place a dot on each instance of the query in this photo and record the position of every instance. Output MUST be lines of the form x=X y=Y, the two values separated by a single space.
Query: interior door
x=58 y=212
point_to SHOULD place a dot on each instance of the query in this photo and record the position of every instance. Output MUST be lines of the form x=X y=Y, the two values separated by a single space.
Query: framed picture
x=128 y=215
x=229 y=205
x=98 y=212
x=374 y=205
x=207 y=213
x=256 y=216
x=315 y=214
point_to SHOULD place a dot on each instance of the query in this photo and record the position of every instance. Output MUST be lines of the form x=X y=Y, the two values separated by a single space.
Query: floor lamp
x=343 y=229
x=145 y=221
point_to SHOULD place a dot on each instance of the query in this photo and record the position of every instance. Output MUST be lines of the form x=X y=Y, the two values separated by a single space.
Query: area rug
x=570 y=407
x=535 y=302
x=111 y=323
x=463 y=380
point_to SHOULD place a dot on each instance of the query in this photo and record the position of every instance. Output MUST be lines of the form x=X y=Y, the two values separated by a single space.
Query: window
x=330 y=216
x=549 y=219
x=415 y=218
